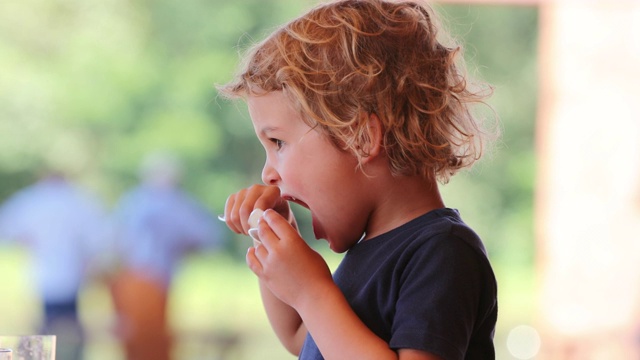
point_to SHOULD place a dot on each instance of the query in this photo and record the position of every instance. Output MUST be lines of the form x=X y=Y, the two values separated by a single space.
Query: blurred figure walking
x=64 y=230
x=157 y=224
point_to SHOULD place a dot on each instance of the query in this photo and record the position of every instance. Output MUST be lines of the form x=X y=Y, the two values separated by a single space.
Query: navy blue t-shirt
x=426 y=285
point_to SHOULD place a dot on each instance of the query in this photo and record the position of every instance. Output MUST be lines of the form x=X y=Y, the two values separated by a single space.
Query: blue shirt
x=64 y=229
x=156 y=226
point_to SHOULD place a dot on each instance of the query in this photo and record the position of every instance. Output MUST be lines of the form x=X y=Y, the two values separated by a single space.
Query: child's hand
x=240 y=205
x=286 y=264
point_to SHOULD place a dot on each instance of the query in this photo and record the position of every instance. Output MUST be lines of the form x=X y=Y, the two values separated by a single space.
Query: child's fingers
x=240 y=205
x=252 y=261
x=278 y=226
x=271 y=199
x=268 y=237
x=229 y=215
x=255 y=197
x=242 y=208
x=238 y=208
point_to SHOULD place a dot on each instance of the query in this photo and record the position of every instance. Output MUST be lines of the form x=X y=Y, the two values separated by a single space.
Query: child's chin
x=339 y=249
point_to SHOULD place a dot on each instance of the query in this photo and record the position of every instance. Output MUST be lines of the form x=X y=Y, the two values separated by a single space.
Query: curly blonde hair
x=345 y=60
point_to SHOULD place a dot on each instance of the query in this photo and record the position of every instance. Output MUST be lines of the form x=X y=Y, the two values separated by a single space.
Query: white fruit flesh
x=256 y=214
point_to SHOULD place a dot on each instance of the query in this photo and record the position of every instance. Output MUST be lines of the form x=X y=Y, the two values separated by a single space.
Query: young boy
x=361 y=110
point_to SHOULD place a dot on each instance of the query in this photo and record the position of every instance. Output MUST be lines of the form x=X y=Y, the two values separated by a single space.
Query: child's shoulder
x=438 y=232
x=435 y=223
x=445 y=227
x=436 y=242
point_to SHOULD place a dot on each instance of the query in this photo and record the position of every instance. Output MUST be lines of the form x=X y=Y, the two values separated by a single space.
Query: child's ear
x=374 y=132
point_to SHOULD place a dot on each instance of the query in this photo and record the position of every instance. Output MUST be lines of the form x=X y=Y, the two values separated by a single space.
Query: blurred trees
x=501 y=44
x=93 y=85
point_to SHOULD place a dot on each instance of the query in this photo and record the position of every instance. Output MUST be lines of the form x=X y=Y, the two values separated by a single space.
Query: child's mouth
x=296 y=201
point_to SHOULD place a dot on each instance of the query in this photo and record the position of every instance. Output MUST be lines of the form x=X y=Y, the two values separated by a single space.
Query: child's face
x=311 y=171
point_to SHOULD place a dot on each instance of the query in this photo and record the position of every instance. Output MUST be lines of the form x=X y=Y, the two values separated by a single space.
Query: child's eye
x=277 y=142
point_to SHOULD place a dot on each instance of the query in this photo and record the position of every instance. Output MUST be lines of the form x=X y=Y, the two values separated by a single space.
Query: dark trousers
x=61 y=320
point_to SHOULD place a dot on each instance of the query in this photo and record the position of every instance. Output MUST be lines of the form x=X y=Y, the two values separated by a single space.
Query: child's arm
x=291 y=271
x=284 y=320
x=340 y=334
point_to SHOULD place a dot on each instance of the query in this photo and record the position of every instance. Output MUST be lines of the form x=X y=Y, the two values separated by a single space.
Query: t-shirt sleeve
x=439 y=297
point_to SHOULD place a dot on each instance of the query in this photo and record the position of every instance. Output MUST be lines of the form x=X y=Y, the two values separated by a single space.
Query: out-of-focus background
x=92 y=87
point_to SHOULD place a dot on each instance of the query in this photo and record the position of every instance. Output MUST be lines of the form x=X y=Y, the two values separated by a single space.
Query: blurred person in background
x=64 y=229
x=156 y=225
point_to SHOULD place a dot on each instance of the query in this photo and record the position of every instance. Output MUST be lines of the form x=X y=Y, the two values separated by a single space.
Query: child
x=361 y=111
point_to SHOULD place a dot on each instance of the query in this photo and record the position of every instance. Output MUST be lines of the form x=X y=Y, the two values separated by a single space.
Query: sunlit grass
x=19 y=307
x=516 y=302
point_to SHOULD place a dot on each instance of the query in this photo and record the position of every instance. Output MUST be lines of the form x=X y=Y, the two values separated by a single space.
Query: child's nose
x=269 y=175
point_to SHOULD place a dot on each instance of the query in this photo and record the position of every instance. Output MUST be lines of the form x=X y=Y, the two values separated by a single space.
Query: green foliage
x=94 y=85
x=496 y=196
